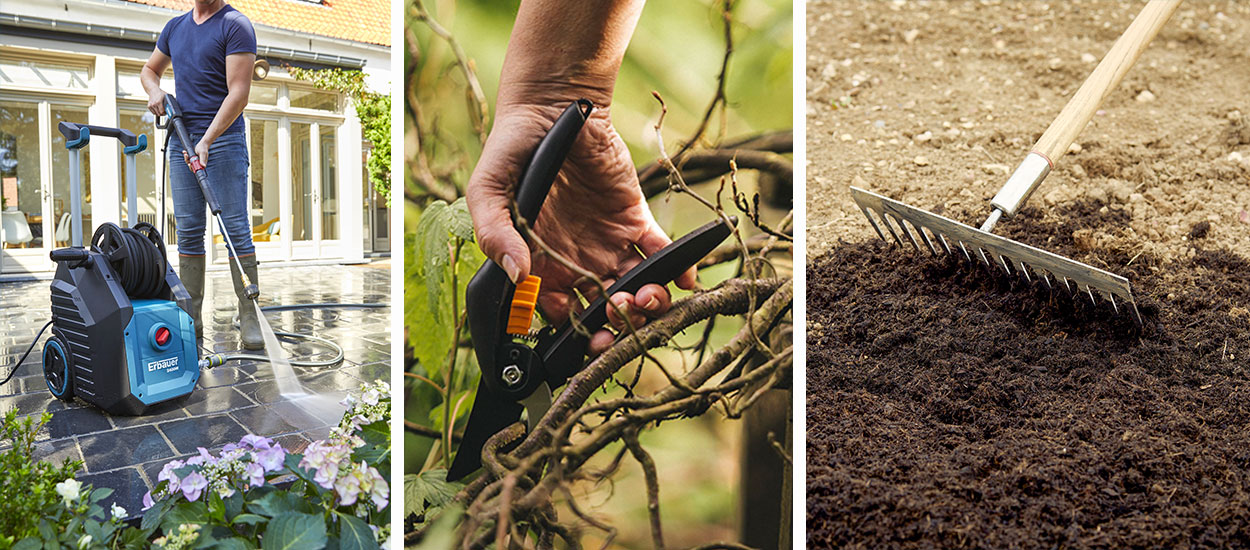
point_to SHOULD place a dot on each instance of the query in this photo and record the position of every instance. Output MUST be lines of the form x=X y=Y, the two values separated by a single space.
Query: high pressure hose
x=218 y=359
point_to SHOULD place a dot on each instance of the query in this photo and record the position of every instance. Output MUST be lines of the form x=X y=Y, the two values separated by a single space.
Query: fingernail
x=652 y=304
x=509 y=266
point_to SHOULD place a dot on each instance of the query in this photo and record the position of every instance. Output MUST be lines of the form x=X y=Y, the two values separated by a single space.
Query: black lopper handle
x=488 y=296
x=564 y=355
x=174 y=112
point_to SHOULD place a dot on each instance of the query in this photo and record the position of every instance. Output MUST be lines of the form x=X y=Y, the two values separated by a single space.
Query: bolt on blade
x=1011 y=257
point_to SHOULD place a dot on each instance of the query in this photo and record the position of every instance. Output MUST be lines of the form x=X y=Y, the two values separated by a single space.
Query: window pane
x=141 y=122
x=261 y=94
x=44 y=75
x=19 y=175
x=264 y=162
x=312 y=99
x=61 y=197
x=301 y=182
x=329 y=185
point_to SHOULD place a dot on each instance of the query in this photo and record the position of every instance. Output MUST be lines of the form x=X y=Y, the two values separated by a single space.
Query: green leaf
x=459 y=222
x=30 y=543
x=185 y=512
x=441 y=535
x=233 y=543
x=152 y=517
x=355 y=534
x=248 y=519
x=295 y=530
x=427 y=490
x=274 y=504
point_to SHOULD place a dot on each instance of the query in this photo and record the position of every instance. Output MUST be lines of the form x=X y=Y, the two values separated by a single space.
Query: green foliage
x=373 y=110
x=430 y=314
x=428 y=495
x=27 y=486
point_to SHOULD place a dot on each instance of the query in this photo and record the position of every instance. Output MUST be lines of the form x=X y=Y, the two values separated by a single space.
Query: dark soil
x=949 y=408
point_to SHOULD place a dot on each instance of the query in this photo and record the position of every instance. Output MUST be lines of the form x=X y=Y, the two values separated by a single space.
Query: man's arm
x=239 y=85
x=150 y=77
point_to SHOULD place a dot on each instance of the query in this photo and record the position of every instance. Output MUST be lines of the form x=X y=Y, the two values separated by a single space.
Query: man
x=213 y=48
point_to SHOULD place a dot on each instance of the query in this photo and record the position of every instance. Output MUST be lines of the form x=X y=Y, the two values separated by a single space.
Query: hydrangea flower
x=193 y=485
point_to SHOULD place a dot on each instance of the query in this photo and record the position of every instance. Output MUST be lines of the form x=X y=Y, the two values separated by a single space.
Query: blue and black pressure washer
x=122 y=335
x=123 y=338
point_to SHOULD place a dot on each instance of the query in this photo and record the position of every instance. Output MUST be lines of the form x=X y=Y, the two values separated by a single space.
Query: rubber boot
x=249 y=325
x=191 y=271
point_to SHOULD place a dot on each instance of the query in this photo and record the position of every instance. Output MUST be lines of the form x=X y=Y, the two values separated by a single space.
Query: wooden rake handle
x=1080 y=109
x=1110 y=71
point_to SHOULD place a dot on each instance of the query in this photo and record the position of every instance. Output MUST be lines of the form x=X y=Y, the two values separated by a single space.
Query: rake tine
x=1067 y=286
x=1114 y=306
x=966 y=254
x=984 y=259
x=1046 y=279
x=1024 y=271
x=902 y=224
x=1089 y=290
x=1136 y=315
x=945 y=246
x=925 y=238
x=886 y=220
x=874 y=223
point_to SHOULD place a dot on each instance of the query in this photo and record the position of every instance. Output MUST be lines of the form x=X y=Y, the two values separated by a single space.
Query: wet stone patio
x=126 y=453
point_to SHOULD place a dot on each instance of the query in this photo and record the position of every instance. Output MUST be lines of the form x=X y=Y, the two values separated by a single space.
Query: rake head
x=943 y=235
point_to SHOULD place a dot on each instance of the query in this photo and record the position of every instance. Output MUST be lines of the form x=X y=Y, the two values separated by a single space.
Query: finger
x=490 y=195
x=600 y=342
x=653 y=300
x=654 y=240
x=622 y=303
x=556 y=306
x=185 y=157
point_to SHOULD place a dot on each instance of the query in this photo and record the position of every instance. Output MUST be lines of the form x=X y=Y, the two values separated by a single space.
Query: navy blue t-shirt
x=199 y=57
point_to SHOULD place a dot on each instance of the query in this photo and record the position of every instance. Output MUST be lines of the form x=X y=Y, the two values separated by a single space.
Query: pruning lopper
x=515 y=375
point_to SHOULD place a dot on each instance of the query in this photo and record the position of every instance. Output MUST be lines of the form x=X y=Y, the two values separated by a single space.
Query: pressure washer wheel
x=56 y=365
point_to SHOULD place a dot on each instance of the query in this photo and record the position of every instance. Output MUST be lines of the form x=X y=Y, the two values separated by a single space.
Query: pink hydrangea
x=193 y=485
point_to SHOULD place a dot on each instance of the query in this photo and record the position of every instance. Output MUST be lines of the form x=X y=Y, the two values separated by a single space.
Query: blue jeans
x=227 y=169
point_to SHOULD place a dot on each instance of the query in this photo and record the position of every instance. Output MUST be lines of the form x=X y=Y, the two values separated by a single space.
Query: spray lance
x=174 y=114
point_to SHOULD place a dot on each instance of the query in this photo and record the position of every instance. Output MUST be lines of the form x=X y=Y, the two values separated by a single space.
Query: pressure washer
x=122 y=335
x=123 y=338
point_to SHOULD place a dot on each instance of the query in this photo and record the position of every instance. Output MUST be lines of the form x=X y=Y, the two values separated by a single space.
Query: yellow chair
x=264 y=232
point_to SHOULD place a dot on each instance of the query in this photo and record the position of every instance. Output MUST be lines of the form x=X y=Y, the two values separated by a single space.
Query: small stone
x=1088 y=58
x=1145 y=96
x=926 y=137
x=921 y=160
x=1120 y=191
x=1075 y=148
x=1096 y=194
x=996 y=169
x=1077 y=170
x=910 y=36
x=846 y=137
x=1243 y=216
x=1054 y=63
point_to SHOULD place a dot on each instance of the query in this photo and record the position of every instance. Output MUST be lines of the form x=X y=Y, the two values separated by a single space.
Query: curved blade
x=490 y=414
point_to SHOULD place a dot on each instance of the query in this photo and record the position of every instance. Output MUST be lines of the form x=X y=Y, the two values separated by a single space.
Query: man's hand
x=595 y=215
x=156 y=102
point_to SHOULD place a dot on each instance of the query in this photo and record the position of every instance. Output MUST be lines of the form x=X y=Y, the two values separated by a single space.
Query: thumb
x=490 y=207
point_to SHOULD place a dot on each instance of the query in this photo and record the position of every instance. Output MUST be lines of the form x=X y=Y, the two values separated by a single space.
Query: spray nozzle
x=213 y=361
x=252 y=292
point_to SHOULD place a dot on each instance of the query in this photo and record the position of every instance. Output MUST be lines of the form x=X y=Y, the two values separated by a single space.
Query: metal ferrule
x=1021 y=184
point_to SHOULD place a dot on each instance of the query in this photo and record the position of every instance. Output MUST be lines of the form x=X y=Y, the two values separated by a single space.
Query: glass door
x=21 y=193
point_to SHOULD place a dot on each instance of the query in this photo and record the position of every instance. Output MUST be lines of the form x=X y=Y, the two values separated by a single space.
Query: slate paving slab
x=126 y=453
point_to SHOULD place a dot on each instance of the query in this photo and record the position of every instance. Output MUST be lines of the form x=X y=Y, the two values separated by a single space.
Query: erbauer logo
x=163 y=364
